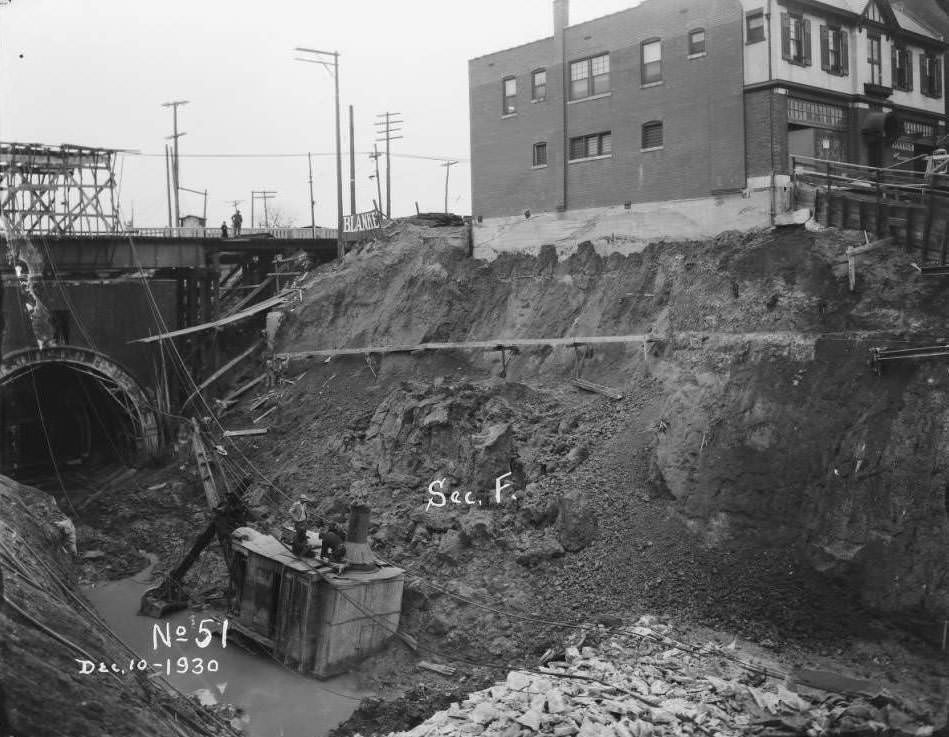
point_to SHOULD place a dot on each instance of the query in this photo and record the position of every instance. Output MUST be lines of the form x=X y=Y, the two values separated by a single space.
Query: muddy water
x=278 y=702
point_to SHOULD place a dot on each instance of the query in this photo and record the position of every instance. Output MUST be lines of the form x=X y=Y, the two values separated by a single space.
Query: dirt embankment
x=46 y=629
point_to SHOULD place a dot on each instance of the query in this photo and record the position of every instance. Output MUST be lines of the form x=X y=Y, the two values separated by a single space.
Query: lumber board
x=245 y=388
x=243 y=314
x=495 y=345
x=247 y=299
x=597 y=388
x=445 y=670
x=246 y=433
x=221 y=371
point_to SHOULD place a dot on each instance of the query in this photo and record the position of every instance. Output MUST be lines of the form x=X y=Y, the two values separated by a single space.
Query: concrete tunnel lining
x=113 y=375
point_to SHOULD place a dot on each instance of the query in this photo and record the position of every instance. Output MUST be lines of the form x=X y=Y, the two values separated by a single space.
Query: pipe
x=358 y=554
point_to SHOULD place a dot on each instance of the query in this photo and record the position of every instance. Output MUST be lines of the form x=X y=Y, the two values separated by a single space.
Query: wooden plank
x=244 y=389
x=497 y=344
x=250 y=297
x=597 y=388
x=445 y=670
x=408 y=640
x=245 y=433
x=235 y=317
x=265 y=414
x=220 y=372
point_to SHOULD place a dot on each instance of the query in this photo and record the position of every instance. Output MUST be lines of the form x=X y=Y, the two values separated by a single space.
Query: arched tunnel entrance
x=64 y=406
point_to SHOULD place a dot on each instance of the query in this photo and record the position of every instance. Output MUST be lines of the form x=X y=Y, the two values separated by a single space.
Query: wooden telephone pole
x=448 y=165
x=175 y=170
x=386 y=129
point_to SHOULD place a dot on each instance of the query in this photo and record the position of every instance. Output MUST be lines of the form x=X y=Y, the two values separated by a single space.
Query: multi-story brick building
x=678 y=118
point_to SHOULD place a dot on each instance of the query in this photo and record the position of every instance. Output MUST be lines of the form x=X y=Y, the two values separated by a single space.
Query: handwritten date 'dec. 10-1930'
x=440 y=498
x=162 y=636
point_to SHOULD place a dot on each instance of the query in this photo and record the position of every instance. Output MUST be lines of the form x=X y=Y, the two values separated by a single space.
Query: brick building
x=678 y=118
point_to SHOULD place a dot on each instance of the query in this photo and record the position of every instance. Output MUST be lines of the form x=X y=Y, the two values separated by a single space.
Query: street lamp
x=332 y=68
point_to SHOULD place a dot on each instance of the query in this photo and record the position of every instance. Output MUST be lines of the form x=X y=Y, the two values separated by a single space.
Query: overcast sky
x=95 y=72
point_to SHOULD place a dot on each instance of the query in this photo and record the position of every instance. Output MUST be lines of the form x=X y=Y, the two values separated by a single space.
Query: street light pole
x=334 y=70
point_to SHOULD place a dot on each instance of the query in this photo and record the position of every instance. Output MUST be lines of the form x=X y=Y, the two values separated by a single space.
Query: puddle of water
x=278 y=702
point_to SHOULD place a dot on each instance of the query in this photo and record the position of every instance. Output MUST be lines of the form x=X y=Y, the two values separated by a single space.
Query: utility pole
x=168 y=182
x=333 y=68
x=448 y=165
x=352 y=166
x=375 y=156
x=309 y=158
x=175 y=136
x=260 y=194
x=386 y=129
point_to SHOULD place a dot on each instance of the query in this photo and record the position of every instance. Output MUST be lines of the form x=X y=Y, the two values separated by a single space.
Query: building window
x=539 y=85
x=754 y=27
x=652 y=135
x=586 y=147
x=540 y=154
x=902 y=69
x=652 y=61
x=589 y=77
x=509 y=105
x=834 y=51
x=697 y=42
x=796 y=39
x=930 y=75
x=875 y=60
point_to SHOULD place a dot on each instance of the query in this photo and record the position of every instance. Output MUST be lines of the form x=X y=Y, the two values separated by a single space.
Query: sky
x=95 y=73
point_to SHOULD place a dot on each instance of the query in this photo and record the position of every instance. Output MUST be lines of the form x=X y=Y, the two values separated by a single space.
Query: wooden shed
x=310 y=617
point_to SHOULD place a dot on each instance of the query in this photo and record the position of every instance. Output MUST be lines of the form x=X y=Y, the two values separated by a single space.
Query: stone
x=556 y=703
x=565 y=730
x=517 y=681
x=578 y=522
x=571 y=655
x=540 y=549
x=438 y=625
x=451 y=548
x=658 y=688
x=530 y=719
x=478 y=525
x=484 y=713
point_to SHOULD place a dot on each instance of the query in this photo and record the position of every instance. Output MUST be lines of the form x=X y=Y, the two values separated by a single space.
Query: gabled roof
x=921 y=17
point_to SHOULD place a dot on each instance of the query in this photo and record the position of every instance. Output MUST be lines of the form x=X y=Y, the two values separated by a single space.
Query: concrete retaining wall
x=620 y=230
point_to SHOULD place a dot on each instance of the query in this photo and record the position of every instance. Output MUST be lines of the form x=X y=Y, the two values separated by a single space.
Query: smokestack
x=358 y=555
x=561 y=16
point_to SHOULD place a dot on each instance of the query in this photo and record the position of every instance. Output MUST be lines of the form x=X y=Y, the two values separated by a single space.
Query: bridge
x=78 y=386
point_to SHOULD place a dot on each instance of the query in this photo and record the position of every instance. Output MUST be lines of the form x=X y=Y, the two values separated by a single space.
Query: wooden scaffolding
x=58 y=190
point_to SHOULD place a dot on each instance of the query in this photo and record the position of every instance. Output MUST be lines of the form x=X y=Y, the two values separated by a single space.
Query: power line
x=421 y=157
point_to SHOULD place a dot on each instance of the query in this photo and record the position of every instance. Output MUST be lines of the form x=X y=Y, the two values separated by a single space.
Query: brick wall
x=700 y=103
x=766 y=114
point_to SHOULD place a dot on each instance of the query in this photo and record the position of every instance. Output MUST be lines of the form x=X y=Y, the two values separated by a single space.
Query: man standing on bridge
x=236 y=221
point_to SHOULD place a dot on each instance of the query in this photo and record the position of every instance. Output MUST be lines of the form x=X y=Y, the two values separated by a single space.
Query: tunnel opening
x=55 y=415
x=67 y=408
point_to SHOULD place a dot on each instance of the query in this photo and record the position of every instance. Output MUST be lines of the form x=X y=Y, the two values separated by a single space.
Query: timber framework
x=59 y=190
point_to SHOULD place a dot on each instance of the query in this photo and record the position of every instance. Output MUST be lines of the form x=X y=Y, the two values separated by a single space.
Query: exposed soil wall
x=45 y=629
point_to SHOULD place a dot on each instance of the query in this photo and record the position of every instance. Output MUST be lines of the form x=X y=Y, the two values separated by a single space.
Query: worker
x=224 y=229
x=236 y=220
x=333 y=548
x=298 y=515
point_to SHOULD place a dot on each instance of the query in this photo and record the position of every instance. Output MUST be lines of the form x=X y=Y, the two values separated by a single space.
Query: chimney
x=561 y=16
x=358 y=555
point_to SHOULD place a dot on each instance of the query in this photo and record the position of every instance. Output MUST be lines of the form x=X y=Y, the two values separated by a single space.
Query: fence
x=911 y=206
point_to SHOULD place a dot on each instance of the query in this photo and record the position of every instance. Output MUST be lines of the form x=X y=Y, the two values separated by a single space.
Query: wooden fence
x=910 y=206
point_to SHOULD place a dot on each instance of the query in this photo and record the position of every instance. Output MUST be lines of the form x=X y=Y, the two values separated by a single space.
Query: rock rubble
x=645 y=683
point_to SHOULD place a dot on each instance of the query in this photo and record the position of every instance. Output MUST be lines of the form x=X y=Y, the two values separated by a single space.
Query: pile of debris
x=642 y=682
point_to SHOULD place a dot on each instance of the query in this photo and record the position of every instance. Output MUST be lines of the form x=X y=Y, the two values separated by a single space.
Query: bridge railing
x=215 y=233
